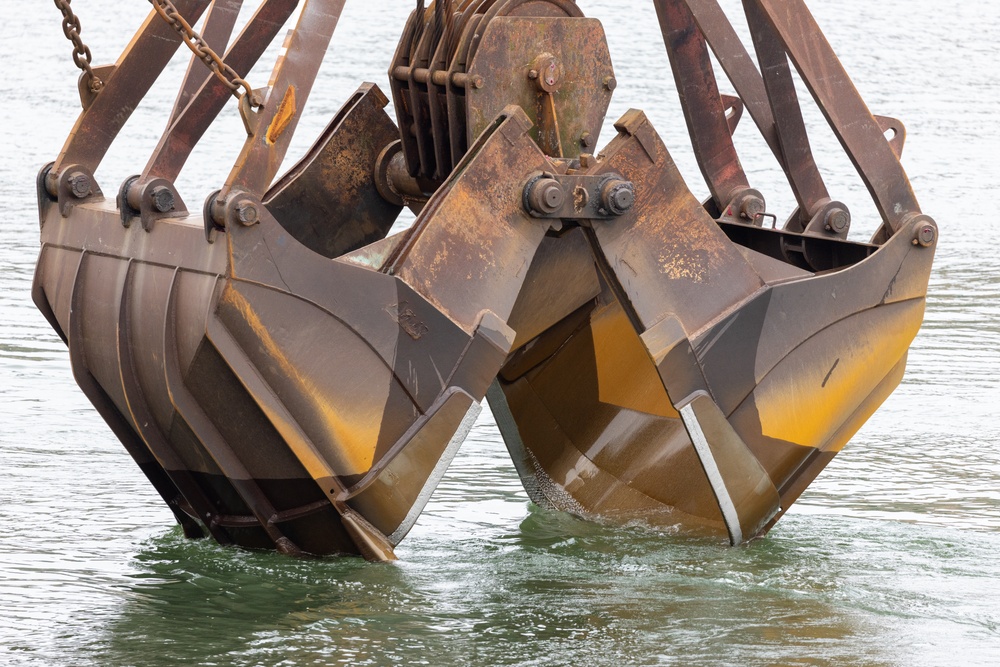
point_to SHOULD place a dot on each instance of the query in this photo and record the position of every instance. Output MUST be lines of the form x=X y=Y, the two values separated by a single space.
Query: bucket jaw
x=289 y=376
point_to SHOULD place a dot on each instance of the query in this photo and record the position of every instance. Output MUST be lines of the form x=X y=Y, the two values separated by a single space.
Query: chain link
x=230 y=77
x=81 y=52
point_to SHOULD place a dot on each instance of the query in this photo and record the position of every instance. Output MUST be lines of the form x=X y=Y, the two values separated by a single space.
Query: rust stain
x=683 y=267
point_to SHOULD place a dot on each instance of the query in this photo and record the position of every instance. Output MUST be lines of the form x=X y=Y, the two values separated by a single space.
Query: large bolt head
x=545 y=195
x=552 y=196
x=926 y=235
x=162 y=198
x=246 y=214
x=838 y=220
x=618 y=196
x=751 y=207
x=79 y=184
x=546 y=72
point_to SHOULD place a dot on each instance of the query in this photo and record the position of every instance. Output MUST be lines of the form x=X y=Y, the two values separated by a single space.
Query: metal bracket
x=250 y=108
x=72 y=185
x=156 y=198
x=578 y=196
x=211 y=227
x=87 y=95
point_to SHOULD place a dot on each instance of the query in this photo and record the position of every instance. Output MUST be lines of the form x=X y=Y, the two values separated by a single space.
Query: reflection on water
x=559 y=587
x=888 y=559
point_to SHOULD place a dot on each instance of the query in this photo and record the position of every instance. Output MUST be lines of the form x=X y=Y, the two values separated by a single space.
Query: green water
x=486 y=579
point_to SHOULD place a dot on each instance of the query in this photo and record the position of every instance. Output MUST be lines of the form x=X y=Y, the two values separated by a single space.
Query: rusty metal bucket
x=289 y=377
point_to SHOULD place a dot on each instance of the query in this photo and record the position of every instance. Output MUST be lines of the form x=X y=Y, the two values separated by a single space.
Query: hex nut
x=246 y=214
x=617 y=196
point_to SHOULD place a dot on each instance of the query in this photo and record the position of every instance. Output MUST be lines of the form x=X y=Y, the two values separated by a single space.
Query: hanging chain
x=226 y=74
x=81 y=52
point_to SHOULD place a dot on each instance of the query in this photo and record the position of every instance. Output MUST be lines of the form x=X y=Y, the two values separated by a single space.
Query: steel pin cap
x=926 y=235
x=545 y=195
x=246 y=214
x=79 y=184
x=162 y=198
x=618 y=196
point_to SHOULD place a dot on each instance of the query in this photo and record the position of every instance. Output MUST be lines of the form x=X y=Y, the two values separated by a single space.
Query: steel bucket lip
x=899 y=248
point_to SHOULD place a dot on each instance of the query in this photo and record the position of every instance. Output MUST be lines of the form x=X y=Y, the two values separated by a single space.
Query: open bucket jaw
x=289 y=377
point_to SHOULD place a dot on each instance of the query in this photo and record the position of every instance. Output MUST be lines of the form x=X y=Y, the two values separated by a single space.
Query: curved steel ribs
x=289 y=377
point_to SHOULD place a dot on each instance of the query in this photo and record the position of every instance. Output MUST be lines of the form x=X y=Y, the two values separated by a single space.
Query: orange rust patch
x=286 y=110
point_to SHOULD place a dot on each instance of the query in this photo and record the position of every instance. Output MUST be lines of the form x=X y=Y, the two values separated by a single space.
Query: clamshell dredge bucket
x=288 y=377
x=713 y=365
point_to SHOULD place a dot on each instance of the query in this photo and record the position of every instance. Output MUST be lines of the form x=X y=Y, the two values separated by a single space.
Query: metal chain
x=81 y=52
x=230 y=77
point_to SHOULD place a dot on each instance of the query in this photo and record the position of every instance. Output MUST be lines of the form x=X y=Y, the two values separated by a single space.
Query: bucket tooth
x=743 y=490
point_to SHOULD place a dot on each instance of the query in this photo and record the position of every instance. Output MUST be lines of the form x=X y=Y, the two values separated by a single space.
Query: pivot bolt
x=926 y=235
x=610 y=83
x=751 y=207
x=837 y=220
x=546 y=71
x=246 y=214
x=79 y=184
x=617 y=196
x=162 y=198
x=545 y=195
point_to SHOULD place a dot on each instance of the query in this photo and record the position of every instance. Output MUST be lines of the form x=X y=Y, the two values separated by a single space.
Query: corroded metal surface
x=290 y=377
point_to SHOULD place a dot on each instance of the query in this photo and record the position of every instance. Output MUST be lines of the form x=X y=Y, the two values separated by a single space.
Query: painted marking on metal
x=827 y=378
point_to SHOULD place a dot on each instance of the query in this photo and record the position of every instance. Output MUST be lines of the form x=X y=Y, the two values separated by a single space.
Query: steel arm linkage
x=782 y=30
